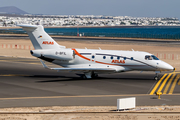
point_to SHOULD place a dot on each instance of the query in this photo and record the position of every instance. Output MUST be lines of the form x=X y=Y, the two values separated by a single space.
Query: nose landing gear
x=174 y=70
x=156 y=76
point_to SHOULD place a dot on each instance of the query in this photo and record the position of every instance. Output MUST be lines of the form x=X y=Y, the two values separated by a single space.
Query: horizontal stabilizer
x=44 y=65
x=27 y=26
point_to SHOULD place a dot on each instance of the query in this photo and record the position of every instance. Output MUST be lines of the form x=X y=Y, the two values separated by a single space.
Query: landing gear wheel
x=155 y=78
x=84 y=77
x=94 y=75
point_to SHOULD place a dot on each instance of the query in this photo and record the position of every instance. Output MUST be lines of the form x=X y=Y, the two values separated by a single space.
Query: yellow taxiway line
x=25 y=62
x=165 y=79
x=7 y=75
x=169 y=83
x=152 y=92
x=18 y=62
x=164 y=82
x=174 y=84
x=80 y=96
x=53 y=97
x=179 y=82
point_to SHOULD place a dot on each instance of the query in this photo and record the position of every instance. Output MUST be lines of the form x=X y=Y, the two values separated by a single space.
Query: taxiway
x=25 y=83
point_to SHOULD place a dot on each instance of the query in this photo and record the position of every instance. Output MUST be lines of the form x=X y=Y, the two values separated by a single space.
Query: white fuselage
x=120 y=60
x=88 y=61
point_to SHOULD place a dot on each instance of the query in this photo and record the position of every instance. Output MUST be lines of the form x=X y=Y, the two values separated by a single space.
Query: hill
x=11 y=10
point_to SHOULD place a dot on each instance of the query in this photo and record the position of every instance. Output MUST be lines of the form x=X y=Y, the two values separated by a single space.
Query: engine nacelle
x=59 y=54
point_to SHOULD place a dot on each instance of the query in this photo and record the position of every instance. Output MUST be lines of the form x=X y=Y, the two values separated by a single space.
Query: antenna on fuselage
x=99 y=48
x=132 y=50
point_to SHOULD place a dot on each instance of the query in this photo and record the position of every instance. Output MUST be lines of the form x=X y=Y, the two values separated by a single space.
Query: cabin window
x=93 y=57
x=132 y=58
x=111 y=57
x=104 y=57
x=124 y=58
x=118 y=57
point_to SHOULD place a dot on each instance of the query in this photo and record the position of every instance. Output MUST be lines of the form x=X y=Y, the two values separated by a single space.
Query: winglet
x=44 y=65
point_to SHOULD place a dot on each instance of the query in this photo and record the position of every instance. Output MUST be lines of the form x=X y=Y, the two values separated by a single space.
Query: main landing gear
x=89 y=75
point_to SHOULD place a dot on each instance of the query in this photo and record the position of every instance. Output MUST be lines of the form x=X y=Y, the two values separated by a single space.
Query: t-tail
x=39 y=38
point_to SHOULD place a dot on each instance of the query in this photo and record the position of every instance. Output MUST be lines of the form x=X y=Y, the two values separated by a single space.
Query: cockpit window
x=151 y=57
x=154 y=57
x=148 y=57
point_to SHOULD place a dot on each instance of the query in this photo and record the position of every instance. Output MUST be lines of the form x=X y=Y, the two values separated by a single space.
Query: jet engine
x=58 y=54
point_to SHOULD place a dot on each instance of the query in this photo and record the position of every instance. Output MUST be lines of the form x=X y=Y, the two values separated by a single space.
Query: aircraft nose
x=165 y=66
x=169 y=67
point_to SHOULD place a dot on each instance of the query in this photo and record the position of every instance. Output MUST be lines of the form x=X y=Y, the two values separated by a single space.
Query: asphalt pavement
x=25 y=83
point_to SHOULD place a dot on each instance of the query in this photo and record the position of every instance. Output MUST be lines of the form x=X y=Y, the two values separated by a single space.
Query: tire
x=156 y=78
x=84 y=77
x=94 y=75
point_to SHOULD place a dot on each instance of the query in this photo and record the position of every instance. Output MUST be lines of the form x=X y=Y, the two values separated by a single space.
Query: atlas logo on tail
x=48 y=43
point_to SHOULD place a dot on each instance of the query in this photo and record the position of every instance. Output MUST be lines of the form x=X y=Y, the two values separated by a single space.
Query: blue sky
x=135 y=8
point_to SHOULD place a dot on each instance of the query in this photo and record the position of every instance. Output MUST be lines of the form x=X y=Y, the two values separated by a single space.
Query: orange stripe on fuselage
x=76 y=52
x=106 y=63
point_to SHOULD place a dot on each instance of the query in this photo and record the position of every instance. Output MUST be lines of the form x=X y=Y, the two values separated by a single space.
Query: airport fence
x=162 y=56
x=166 y=56
x=16 y=46
x=120 y=35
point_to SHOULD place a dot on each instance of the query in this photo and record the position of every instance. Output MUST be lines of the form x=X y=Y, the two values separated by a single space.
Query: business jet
x=90 y=62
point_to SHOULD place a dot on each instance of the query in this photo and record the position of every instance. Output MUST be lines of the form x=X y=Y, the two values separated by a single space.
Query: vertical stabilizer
x=39 y=38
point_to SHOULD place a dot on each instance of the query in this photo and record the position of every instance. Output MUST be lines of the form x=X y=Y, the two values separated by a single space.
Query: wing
x=80 y=69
